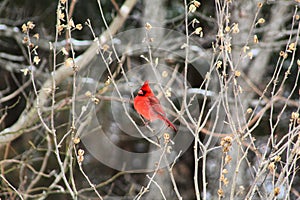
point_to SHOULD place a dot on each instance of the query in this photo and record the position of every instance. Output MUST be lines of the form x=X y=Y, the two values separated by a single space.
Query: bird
x=148 y=105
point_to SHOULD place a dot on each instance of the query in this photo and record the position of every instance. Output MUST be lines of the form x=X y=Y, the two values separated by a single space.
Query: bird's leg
x=149 y=127
x=145 y=121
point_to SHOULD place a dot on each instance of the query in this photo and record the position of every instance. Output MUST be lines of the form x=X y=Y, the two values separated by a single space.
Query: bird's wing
x=155 y=104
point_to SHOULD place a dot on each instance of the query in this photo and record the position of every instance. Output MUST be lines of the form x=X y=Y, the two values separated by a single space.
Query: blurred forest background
x=235 y=97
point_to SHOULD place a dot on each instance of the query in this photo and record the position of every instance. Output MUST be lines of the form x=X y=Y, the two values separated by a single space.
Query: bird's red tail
x=170 y=124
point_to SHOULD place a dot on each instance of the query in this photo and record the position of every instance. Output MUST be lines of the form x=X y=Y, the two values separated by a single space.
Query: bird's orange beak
x=140 y=92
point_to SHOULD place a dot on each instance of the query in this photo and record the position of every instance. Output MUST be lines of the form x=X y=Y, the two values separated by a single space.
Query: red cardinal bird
x=147 y=105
